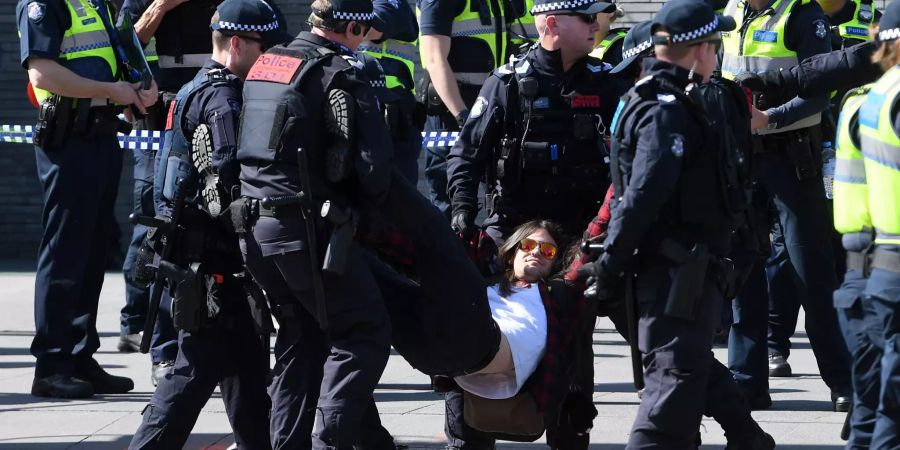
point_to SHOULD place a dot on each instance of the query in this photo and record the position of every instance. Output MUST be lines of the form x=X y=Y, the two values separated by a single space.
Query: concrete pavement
x=800 y=418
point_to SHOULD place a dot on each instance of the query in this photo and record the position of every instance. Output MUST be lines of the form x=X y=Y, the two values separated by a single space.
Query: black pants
x=356 y=344
x=80 y=181
x=238 y=361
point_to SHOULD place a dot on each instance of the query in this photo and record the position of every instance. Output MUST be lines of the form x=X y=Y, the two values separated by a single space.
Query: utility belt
x=799 y=146
x=203 y=300
x=434 y=105
x=862 y=261
x=886 y=260
x=60 y=117
x=692 y=267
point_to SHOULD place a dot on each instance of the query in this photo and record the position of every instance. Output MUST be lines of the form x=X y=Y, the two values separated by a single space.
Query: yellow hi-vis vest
x=851 y=194
x=522 y=30
x=614 y=36
x=881 y=153
x=760 y=47
x=858 y=27
x=402 y=51
x=85 y=38
x=468 y=25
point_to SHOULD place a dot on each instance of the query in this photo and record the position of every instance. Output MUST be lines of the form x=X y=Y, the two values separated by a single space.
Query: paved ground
x=800 y=418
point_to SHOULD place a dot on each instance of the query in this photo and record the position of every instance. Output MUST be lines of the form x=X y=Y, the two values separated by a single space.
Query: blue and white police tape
x=152 y=140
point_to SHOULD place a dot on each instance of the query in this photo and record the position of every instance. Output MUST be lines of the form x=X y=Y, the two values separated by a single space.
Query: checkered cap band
x=637 y=50
x=359 y=17
x=889 y=34
x=242 y=27
x=698 y=33
x=560 y=6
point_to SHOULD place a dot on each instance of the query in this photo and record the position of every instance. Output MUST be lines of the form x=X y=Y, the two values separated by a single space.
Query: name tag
x=856 y=31
x=89 y=21
x=765 y=36
x=586 y=101
x=274 y=68
x=541 y=103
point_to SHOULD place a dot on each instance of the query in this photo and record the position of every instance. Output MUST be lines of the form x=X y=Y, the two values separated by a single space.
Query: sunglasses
x=586 y=18
x=547 y=250
x=259 y=41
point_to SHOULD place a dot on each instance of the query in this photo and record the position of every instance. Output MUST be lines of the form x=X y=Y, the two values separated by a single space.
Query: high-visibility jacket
x=881 y=154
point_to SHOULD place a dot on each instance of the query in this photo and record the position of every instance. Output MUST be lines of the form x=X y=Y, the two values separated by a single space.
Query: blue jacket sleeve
x=41 y=27
x=221 y=111
x=477 y=140
x=839 y=70
x=807 y=33
x=655 y=172
x=395 y=20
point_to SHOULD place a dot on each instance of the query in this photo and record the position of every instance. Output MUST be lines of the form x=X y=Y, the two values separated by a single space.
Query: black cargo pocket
x=155 y=420
x=674 y=370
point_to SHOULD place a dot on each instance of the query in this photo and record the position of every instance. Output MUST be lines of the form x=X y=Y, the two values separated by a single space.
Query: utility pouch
x=687 y=284
x=240 y=214
x=584 y=128
x=187 y=287
x=46 y=127
x=538 y=152
x=344 y=227
x=799 y=152
x=434 y=106
x=504 y=162
x=259 y=306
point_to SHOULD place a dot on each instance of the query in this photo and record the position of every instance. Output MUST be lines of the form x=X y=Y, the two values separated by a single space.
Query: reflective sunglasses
x=586 y=18
x=548 y=250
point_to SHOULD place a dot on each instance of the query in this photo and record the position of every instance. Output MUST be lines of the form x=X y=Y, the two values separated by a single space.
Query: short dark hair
x=507 y=252
x=320 y=17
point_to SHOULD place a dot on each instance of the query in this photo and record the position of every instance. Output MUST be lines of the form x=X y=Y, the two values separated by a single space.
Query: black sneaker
x=129 y=343
x=159 y=371
x=201 y=155
x=339 y=122
x=778 y=366
x=61 y=386
x=102 y=381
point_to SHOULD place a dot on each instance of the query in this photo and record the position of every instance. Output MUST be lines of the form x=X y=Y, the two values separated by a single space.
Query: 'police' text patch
x=585 y=101
x=274 y=68
x=765 y=36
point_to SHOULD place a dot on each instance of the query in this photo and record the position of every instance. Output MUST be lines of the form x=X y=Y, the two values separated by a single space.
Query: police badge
x=36 y=11
x=677 y=145
x=821 y=29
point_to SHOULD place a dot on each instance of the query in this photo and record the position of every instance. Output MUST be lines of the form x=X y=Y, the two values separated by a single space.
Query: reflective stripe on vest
x=881 y=153
x=85 y=38
x=613 y=37
x=150 y=51
x=851 y=194
x=468 y=25
x=402 y=51
x=761 y=47
x=858 y=27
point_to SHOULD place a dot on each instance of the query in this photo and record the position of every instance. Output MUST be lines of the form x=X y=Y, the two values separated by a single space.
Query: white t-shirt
x=523 y=320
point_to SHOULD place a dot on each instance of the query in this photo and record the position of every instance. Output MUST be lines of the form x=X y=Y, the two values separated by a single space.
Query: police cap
x=259 y=16
x=688 y=21
x=889 y=27
x=573 y=6
x=637 y=43
x=348 y=10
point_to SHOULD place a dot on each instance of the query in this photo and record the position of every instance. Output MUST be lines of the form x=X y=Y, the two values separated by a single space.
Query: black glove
x=463 y=224
x=770 y=82
x=461 y=118
x=600 y=284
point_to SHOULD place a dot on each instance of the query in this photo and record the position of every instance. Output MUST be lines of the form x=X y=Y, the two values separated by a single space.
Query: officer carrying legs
x=318 y=140
x=80 y=91
x=215 y=303
x=671 y=226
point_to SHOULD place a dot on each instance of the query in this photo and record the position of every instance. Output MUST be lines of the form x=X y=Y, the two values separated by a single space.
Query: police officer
x=392 y=41
x=177 y=37
x=315 y=84
x=79 y=90
x=772 y=35
x=461 y=43
x=608 y=43
x=670 y=208
x=879 y=130
x=223 y=346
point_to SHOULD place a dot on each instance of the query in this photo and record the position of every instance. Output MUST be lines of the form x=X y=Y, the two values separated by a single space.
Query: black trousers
x=238 y=361
x=355 y=346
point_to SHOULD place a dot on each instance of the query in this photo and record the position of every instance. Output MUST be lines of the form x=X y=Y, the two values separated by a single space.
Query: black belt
x=886 y=260
x=275 y=212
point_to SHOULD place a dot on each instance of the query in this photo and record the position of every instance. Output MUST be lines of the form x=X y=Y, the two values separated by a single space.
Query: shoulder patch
x=677 y=145
x=36 y=11
x=274 y=68
x=602 y=67
x=478 y=108
x=821 y=28
x=357 y=64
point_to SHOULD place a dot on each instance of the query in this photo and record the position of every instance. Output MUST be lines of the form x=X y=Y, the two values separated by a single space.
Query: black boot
x=103 y=382
x=61 y=386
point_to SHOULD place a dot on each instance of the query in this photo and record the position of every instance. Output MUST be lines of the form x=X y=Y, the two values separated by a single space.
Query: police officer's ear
x=355 y=28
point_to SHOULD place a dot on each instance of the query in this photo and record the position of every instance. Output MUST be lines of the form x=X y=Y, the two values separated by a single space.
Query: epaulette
x=221 y=76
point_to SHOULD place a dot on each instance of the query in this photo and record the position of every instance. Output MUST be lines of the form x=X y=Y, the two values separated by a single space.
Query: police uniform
x=478 y=41
x=609 y=50
x=879 y=131
x=397 y=53
x=78 y=192
x=670 y=208
x=778 y=37
x=346 y=321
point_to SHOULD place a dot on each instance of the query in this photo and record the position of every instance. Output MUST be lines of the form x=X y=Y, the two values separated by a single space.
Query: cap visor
x=624 y=64
x=599 y=7
x=726 y=23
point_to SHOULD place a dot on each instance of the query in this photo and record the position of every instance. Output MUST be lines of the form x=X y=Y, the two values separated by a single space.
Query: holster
x=187 y=289
x=54 y=122
x=688 y=282
x=241 y=213
x=259 y=306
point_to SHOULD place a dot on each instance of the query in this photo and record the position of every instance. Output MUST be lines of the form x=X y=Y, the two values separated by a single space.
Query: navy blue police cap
x=259 y=16
x=575 y=6
x=638 y=42
x=688 y=21
x=348 y=10
x=889 y=27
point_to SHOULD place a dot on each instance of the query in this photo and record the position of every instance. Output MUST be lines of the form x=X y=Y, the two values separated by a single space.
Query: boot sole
x=339 y=122
x=201 y=156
